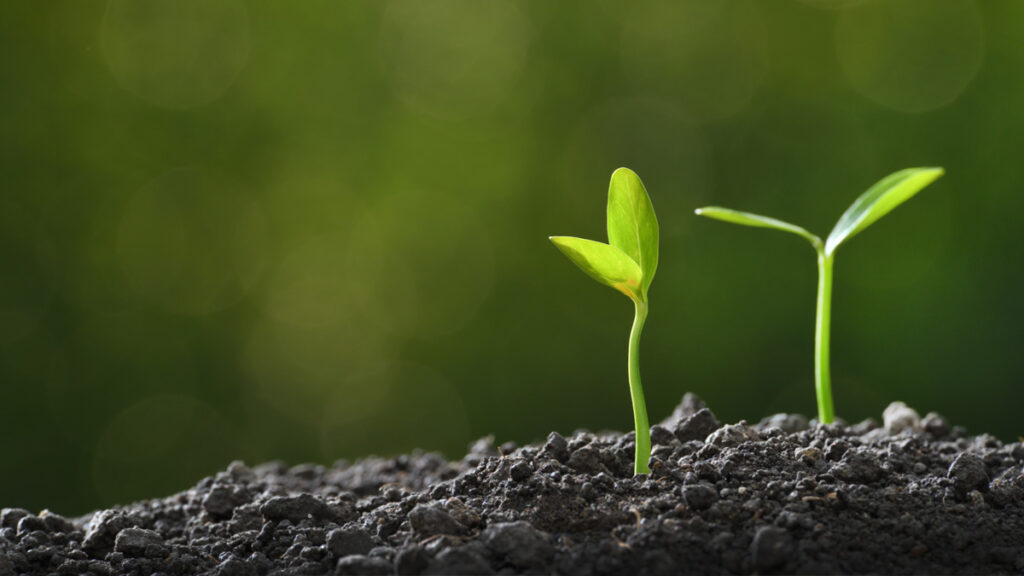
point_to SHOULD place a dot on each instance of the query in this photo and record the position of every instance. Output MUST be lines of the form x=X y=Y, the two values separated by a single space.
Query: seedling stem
x=822 y=377
x=636 y=390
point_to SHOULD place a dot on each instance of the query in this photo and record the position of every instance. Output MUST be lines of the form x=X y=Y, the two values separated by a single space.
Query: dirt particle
x=349 y=540
x=102 y=530
x=519 y=544
x=771 y=548
x=697 y=426
x=968 y=473
x=699 y=496
x=431 y=519
x=588 y=461
x=220 y=501
x=732 y=435
x=31 y=523
x=412 y=560
x=788 y=423
x=9 y=517
x=935 y=425
x=235 y=566
x=556 y=447
x=857 y=467
x=661 y=436
x=898 y=417
x=464 y=560
x=520 y=471
x=359 y=565
x=138 y=542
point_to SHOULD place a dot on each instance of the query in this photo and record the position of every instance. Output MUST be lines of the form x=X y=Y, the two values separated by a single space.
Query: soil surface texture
x=908 y=496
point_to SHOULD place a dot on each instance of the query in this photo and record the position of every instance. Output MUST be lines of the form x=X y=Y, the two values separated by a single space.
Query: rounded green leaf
x=756 y=220
x=879 y=200
x=632 y=225
x=606 y=264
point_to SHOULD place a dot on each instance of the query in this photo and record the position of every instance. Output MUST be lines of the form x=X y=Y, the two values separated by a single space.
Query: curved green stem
x=822 y=378
x=636 y=392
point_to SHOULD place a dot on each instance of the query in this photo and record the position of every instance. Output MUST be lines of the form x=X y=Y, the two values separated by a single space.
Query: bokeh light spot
x=707 y=56
x=454 y=58
x=310 y=286
x=191 y=245
x=422 y=264
x=294 y=368
x=158 y=445
x=394 y=408
x=176 y=53
x=911 y=55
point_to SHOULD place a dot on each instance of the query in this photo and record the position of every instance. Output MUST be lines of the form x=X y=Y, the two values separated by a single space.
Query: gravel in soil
x=909 y=496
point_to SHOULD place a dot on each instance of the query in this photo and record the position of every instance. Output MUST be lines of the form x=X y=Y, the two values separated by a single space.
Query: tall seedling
x=627 y=263
x=879 y=200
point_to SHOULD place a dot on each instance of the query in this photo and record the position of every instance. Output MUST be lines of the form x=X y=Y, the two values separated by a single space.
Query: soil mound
x=912 y=495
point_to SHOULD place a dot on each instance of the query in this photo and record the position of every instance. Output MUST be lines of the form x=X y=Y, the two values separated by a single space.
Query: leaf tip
x=623 y=171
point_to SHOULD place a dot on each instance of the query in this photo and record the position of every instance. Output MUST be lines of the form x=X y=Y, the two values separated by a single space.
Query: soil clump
x=910 y=496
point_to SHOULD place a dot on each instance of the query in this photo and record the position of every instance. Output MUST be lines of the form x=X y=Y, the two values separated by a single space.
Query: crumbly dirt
x=910 y=496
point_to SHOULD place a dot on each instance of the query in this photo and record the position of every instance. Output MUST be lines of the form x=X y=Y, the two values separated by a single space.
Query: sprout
x=627 y=263
x=879 y=200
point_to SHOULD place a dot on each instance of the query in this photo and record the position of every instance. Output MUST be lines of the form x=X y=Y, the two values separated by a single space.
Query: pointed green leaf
x=606 y=264
x=632 y=226
x=879 y=200
x=748 y=219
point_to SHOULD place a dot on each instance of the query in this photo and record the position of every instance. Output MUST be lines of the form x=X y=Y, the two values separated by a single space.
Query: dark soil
x=912 y=496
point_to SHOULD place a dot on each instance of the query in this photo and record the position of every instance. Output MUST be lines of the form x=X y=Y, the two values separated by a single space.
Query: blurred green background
x=318 y=230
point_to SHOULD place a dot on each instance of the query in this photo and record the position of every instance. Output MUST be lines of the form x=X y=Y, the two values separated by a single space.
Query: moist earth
x=908 y=496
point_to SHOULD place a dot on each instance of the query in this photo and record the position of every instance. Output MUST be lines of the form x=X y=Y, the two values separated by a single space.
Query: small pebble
x=898 y=417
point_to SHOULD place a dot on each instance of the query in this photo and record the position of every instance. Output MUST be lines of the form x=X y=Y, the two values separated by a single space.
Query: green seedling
x=627 y=263
x=879 y=200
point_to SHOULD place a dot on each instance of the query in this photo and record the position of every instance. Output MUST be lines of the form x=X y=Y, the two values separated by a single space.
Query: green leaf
x=606 y=264
x=879 y=200
x=756 y=220
x=632 y=226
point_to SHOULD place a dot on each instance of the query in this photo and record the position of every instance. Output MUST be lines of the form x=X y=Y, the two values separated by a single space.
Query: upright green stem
x=822 y=378
x=636 y=392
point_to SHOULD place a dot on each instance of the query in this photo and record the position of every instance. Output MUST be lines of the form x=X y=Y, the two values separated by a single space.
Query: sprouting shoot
x=879 y=200
x=627 y=263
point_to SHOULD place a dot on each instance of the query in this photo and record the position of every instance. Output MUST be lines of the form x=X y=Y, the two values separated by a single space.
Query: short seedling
x=886 y=194
x=627 y=263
